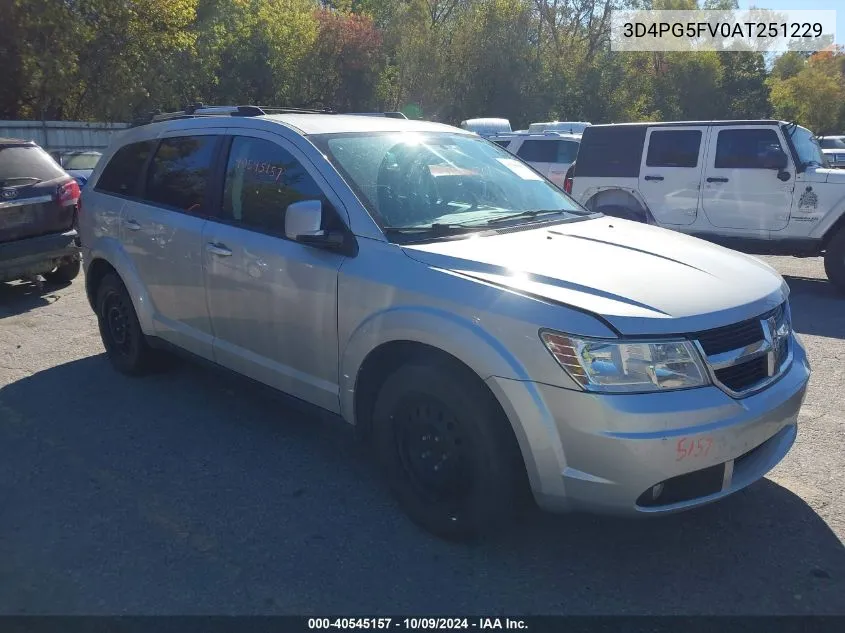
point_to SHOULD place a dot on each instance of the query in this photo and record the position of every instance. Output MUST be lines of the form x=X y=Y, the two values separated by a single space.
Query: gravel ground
x=193 y=493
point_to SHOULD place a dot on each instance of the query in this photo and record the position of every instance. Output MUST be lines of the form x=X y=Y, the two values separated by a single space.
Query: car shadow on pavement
x=23 y=296
x=818 y=308
x=194 y=492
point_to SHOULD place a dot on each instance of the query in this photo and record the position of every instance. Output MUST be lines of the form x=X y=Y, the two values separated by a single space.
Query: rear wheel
x=447 y=450
x=123 y=339
x=834 y=260
x=65 y=273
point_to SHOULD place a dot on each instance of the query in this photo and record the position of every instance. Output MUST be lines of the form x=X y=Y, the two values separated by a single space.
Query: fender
x=110 y=250
x=830 y=219
x=459 y=336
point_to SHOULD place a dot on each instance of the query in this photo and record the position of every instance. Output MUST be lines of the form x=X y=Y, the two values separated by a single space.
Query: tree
x=815 y=95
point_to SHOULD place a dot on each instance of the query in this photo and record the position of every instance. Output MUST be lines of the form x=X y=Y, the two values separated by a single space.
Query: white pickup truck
x=760 y=186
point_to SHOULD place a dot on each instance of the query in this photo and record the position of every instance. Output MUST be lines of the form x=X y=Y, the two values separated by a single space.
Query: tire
x=623 y=213
x=476 y=489
x=125 y=343
x=834 y=260
x=65 y=273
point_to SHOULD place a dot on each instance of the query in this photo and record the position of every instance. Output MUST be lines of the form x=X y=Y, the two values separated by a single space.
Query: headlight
x=624 y=367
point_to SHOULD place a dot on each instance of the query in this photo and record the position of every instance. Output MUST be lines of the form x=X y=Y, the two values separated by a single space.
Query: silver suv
x=487 y=334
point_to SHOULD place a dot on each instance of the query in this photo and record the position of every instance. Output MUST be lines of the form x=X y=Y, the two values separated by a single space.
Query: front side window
x=179 y=172
x=442 y=181
x=262 y=179
x=673 y=148
x=745 y=149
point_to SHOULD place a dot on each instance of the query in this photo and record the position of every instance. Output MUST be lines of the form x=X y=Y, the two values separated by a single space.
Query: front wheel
x=834 y=260
x=447 y=450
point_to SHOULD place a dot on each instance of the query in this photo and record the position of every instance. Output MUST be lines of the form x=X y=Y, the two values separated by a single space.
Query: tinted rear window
x=537 y=151
x=22 y=163
x=612 y=152
x=124 y=169
x=179 y=172
x=673 y=148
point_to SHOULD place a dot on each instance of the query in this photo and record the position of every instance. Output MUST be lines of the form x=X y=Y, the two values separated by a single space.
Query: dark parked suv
x=39 y=203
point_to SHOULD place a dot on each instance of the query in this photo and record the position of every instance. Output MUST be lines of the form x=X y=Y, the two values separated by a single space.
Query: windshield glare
x=81 y=161
x=807 y=147
x=414 y=180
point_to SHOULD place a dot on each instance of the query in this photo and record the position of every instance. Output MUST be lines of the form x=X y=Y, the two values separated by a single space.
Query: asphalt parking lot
x=190 y=493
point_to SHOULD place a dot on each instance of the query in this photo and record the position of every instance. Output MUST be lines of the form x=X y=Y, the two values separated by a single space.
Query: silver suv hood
x=641 y=279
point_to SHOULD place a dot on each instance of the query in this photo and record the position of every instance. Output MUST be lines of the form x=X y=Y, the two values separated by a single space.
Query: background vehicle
x=550 y=153
x=38 y=213
x=566 y=127
x=487 y=127
x=758 y=186
x=833 y=147
x=430 y=288
x=79 y=164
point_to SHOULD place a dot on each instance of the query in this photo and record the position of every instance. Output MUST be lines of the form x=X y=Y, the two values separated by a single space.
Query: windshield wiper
x=437 y=228
x=526 y=214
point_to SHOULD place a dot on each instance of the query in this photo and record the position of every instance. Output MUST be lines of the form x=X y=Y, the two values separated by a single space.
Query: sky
x=797 y=5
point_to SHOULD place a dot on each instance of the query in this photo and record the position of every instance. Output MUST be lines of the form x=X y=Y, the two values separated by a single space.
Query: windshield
x=417 y=181
x=832 y=142
x=806 y=146
x=80 y=161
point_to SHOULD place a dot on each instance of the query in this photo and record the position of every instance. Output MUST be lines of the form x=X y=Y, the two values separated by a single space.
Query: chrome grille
x=745 y=357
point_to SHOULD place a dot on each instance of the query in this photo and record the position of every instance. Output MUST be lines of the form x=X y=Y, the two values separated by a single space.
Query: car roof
x=15 y=141
x=539 y=136
x=691 y=123
x=336 y=123
x=304 y=124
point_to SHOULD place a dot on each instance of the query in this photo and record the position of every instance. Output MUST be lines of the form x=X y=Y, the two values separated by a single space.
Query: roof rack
x=200 y=110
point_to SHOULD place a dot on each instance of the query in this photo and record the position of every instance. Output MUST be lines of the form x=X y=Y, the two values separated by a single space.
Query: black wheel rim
x=116 y=316
x=434 y=453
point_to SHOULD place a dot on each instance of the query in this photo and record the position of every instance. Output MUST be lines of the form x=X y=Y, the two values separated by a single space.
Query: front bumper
x=37 y=255
x=605 y=453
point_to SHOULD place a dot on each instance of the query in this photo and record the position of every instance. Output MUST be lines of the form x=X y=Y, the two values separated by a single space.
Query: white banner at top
x=759 y=30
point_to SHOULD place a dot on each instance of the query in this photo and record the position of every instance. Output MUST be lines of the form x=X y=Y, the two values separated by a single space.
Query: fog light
x=657 y=491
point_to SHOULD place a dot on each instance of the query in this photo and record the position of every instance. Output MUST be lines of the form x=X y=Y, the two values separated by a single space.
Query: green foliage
x=527 y=60
x=814 y=95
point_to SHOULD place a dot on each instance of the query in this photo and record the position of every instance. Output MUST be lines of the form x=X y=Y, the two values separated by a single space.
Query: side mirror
x=302 y=224
x=303 y=219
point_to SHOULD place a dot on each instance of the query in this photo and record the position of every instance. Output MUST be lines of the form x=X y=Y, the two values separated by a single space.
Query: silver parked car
x=485 y=332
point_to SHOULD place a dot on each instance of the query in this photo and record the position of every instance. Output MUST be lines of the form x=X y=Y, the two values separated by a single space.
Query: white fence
x=63 y=135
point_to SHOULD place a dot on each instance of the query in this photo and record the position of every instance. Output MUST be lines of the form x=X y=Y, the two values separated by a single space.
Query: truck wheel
x=834 y=260
x=65 y=273
x=448 y=452
x=123 y=339
x=622 y=212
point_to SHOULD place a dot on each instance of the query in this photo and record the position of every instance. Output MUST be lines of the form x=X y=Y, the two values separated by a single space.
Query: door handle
x=784 y=176
x=717 y=180
x=218 y=249
x=132 y=225
x=654 y=177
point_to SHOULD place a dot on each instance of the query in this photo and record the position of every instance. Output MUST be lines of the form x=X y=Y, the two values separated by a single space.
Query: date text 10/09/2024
x=416 y=624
